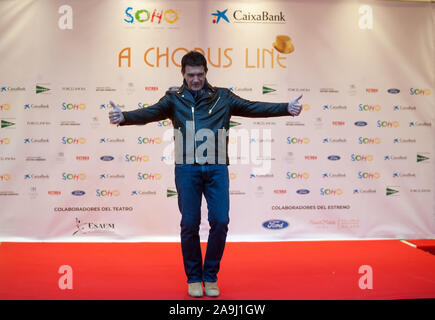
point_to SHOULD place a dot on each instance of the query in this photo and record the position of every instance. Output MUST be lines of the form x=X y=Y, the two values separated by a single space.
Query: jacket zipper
x=194 y=143
x=209 y=111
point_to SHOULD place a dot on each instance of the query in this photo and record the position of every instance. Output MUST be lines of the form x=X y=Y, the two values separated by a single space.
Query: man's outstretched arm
x=159 y=111
x=256 y=109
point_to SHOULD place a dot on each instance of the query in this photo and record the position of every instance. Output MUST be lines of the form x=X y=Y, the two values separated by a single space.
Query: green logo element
x=421 y=158
x=234 y=124
x=391 y=191
x=40 y=89
x=267 y=90
x=5 y=124
x=170 y=193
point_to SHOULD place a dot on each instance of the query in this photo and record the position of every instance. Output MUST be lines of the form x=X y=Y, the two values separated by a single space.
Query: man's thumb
x=114 y=106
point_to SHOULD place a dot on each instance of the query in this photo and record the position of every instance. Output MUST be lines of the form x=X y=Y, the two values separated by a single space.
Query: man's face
x=195 y=77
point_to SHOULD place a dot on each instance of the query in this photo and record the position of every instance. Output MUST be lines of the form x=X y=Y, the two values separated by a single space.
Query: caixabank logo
x=239 y=15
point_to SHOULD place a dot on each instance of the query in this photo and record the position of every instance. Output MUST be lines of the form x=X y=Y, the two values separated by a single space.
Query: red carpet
x=249 y=271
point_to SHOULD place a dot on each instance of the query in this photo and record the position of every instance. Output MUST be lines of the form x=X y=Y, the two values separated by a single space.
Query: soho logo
x=143 y=15
x=69 y=140
x=297 y=175
x=71 y=106
x=107 y=193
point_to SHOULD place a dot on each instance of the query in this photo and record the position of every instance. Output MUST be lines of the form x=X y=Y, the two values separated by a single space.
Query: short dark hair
x=193 y=58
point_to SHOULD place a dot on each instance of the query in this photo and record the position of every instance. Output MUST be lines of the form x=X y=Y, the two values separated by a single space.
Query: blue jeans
x=192 y=181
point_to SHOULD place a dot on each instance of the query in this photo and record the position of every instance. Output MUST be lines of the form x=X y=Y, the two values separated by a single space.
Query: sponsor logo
x=6 y=124
x=112 y=140
x=275 y=224
x=5 y=177
x=38 y=123
x=423 y=92
x=415 y=124
x=268 y=89
x=361 y=157
x=364 y=191
x=151 y=16
x=310 y=157
x=360 y=123
x=268 y=175
x=41 y=89
x=82 y=158
x=73 y=106
x=149 y=176
x=73 y=176
x=338 y=123
x=106 y=158
x=302 y=191
x=136 y=158
x=404 y=108
x=334 y=157
x=369 y=108
x=78 y=193
x=331 y=192
x=11 y=89
x=328 y=90
x=5 y=107
x=171 y=193
x=54 y=193
x=107 y=193
x=243 y=16
x=5 y=141
x=393 y=91
x=372 y=90
x=234 y=124
x=334 y=107
x=297 y=175
x=334 y=140
x=334 y=175
x=365 y=140
x=220 y=15
x=368 y=175
x=404 y=140
x=404 y=175
x=280 y=191
x=298 y=140
x=106 y=88
x=31 y=176
x=32 y=140
x=422 y=157
x=75 y=140
x=390 y=157
x=93 y=227
x=164 y=123
x=390 y=191
x=143 y=193
x=387 y=124
x=111 y=176
x=149 y=140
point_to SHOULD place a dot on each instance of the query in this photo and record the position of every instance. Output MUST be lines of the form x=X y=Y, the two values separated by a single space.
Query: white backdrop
x=357 y=164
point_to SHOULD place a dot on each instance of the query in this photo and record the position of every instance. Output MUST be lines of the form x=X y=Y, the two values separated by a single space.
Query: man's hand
x=294 y=107
x=115 y=115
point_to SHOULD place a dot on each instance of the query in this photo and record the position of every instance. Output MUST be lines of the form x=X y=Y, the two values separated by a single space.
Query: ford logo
x=360 y=123
x=334 y=158
x=275 y=224
x=303 y=191
x=107 y=158
x=78 y=193
x=393 y=90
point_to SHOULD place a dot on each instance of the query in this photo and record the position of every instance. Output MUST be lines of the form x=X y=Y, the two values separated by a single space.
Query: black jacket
x=201 y=127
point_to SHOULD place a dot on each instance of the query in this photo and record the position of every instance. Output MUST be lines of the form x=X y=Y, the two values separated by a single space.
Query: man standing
x=200 y=114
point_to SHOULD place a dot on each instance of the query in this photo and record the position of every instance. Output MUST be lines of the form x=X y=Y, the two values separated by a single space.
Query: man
x=199 y=110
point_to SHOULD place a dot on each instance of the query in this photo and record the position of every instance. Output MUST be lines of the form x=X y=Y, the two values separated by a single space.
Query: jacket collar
x=184 y=87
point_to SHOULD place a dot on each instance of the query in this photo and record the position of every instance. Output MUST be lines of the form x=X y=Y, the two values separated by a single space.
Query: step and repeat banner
x=358 y=163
